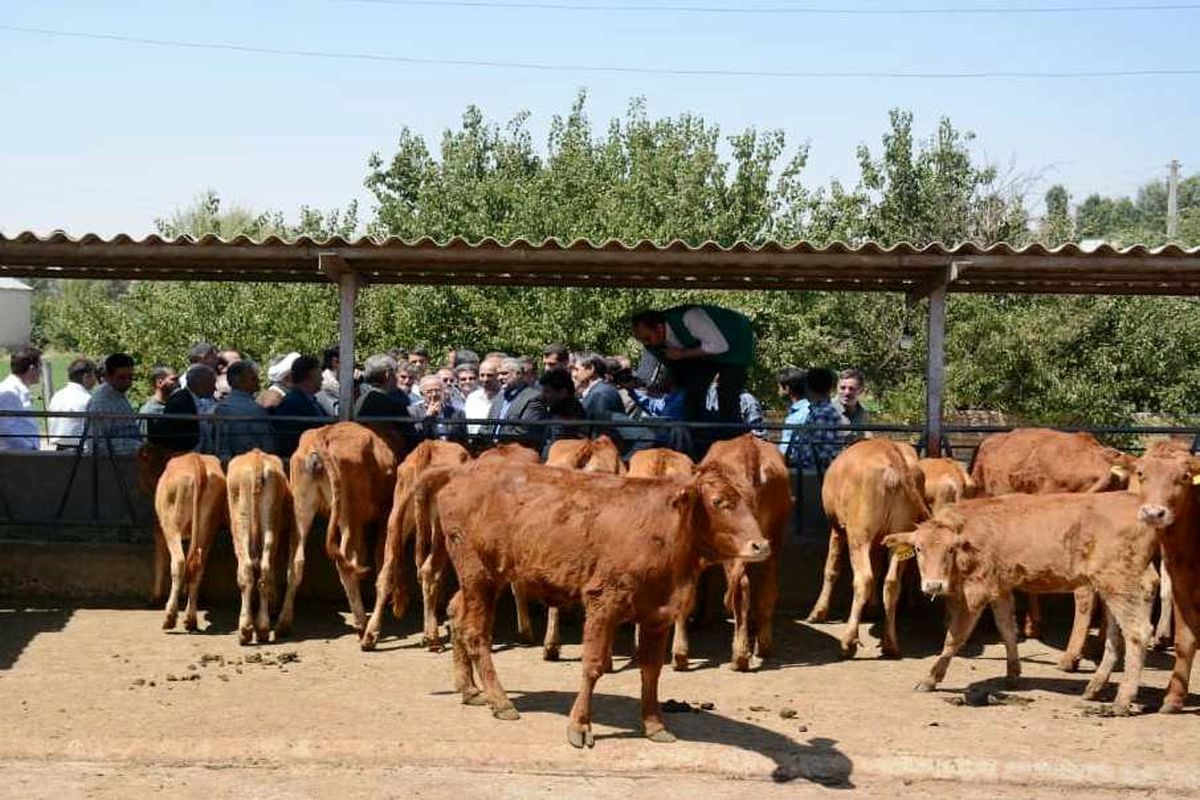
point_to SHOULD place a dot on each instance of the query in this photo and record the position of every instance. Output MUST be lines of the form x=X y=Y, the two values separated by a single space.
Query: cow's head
x=941 y=550
x=722 y=519
x=1164 y=479
x=1121 y=469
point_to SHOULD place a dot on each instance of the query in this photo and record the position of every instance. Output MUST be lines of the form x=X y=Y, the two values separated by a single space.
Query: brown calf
x=347 y=473
x=1170 y=502
x=977 y=553
x=259 y=508
x=625 y=548
x=760 y=473
x=1044 y=461
x=401 y=526
x=189 y=503
x=870 y=490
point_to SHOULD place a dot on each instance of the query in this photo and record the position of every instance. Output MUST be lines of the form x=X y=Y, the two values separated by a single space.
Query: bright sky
x=102 y=135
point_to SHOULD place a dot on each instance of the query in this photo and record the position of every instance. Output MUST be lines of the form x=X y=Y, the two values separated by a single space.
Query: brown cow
x=945 y=482
x=1044 y=461
x=189 y=503
x=760 y=472
x=625 y=548
x=347 y=473
x=870 y=490
x=597 y=455
x=978 y=552
x=1170 y=503
x=259 y=506
x=401 y=526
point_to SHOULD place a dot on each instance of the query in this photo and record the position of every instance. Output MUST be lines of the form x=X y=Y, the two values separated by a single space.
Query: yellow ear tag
x=1120 y=472
x=1196 y=480
x=903 y=552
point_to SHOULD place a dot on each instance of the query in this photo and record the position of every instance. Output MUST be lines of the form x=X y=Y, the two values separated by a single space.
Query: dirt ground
x=102 y=703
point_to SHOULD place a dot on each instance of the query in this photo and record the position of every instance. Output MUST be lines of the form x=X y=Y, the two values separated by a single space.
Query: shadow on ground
x=818 y=760
x=20 y=626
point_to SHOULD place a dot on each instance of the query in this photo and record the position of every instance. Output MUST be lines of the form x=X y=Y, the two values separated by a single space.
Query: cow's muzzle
x=755 y=550
x=934 y=588
x=1157 y=516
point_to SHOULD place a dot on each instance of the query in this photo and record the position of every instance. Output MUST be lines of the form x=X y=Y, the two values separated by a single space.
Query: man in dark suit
x=600 y=399
x=518 y=401
x=173 y=430
x=301 y=401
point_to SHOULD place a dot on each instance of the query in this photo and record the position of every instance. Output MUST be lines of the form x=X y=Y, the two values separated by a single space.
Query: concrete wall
x=15 y=317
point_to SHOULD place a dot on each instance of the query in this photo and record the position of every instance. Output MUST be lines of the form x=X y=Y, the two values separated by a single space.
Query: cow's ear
x=1194 y=468
x=684 y=497
x=895 y=540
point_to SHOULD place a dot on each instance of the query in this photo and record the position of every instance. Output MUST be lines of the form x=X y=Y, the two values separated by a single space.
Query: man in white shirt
x=20 y=433
x=479 y=402
x=65 y=432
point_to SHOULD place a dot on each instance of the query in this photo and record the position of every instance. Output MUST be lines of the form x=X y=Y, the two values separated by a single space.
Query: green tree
x=1056 y=227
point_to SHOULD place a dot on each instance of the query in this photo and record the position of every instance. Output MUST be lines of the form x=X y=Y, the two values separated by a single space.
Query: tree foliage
x=640 y=177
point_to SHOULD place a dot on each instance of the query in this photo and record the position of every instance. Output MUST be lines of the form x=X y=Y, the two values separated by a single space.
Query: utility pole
x=1173 y=199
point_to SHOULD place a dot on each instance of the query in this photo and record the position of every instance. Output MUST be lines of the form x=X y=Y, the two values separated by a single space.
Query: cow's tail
x=195 y=555
x=426 y=512
x=257 y=545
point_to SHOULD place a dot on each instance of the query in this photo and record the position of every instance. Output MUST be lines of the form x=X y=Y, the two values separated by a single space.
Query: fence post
x=336 y=268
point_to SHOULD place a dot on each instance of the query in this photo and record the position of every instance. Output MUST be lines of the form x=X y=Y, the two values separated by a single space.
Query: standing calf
x=980 y=551
x=627 y=549
x=259 y=505
x=189 y=503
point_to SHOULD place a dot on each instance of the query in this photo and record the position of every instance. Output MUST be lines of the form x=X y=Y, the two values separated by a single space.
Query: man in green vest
x=698 y=343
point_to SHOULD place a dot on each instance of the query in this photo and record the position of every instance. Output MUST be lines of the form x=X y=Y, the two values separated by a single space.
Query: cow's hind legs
x=890 y=647
x=651 y=649
x=962 y=622
x=864 y=584
x=1132 y=613
x=464 y=677
x=478 y=615
x=598 y=631
x=833 y=567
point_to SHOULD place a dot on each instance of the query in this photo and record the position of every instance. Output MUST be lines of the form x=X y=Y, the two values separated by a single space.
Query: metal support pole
x=348 y=289
x=935 y=372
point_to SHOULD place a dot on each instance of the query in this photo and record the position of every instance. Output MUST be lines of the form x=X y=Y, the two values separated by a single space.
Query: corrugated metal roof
x=14 y=285
x=867 y=267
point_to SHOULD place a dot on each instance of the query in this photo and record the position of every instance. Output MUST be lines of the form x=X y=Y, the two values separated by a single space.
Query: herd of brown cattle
x=1040 y=512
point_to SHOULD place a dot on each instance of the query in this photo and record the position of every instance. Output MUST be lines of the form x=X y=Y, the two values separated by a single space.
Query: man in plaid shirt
x=816 y=447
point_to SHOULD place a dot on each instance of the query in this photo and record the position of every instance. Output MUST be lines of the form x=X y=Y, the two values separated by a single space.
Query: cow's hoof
x=581 y=737
x=368 y=641
x=1091 y=692
x=1068 y=663
x=526 y=637
x=550 y=654
x=740 y=664
x=245 y=636
x=889 y=651
x=432 y=643
x=1170 y=708
x=474 y=697
x=661 y=736
x=191 y=625
x=680 y=662
x=1012 y=681
x=817 y=616
x=848 y=649
x=506 y=713
x=263 y=635
x=1124 y=709
x=169 y=623
x=924 y=686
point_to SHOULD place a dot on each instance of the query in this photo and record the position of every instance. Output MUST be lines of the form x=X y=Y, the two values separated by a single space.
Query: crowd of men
x=693 y=370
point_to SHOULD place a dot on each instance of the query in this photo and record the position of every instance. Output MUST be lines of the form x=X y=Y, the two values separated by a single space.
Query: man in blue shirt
x=816 y=447
x=792 y=388
x=241 y=436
